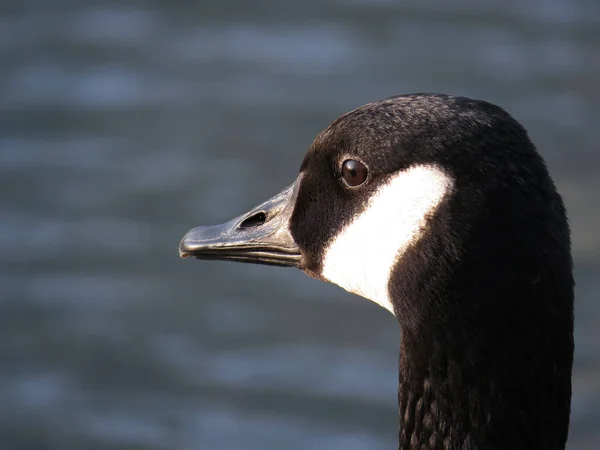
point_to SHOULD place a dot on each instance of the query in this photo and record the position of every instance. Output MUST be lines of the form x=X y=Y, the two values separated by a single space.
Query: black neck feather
x=487 y=326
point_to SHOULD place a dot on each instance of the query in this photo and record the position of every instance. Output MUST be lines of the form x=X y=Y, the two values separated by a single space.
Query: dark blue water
x=122 y=125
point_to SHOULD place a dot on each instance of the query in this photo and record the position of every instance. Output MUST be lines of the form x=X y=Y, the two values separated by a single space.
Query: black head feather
x=485 y=298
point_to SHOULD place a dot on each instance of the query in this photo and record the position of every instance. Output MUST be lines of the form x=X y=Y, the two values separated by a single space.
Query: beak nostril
x=254 y=220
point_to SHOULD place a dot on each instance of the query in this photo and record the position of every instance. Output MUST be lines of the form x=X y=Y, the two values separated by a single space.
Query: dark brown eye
x=354 y=173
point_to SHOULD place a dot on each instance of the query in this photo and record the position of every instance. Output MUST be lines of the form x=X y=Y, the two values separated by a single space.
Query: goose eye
x=354 y=173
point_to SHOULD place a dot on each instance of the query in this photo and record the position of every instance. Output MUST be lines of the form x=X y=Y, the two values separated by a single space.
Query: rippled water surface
x=124 y=124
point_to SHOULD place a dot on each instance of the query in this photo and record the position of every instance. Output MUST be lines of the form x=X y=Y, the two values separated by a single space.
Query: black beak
x=261 y=236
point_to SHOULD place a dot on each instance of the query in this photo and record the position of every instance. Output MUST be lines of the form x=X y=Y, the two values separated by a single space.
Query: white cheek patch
x=360 y=258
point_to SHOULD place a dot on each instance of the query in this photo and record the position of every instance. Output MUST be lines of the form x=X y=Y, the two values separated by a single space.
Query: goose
x=439 y=209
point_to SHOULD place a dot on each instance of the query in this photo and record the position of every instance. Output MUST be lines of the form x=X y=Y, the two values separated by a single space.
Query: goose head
x=439 y=209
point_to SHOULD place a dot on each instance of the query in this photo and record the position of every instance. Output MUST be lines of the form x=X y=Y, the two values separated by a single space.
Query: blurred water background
x=124 y=124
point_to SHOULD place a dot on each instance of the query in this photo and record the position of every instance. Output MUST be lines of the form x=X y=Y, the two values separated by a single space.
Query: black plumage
x=484 y=297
